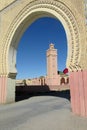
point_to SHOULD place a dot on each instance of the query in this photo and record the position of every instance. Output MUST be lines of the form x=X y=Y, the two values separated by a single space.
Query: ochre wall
x=7 y=16
x=5 y=3
x=16 y=15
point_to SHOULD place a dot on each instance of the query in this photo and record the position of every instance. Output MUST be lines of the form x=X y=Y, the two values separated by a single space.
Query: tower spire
x=51 y=46
x=51 y=61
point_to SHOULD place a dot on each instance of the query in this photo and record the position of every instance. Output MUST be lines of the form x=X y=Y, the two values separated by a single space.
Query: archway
x=67 y=82
x=20 y=21
x=34 y=43
x=62 y=80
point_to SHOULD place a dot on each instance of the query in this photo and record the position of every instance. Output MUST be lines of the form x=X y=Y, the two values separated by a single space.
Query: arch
x=62 y=81
x=31 y=11
x=67 y=82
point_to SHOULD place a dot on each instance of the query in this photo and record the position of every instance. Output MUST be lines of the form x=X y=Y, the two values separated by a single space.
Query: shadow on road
x=25 y=92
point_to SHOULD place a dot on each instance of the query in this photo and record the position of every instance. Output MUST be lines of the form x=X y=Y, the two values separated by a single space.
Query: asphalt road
x=40 y=113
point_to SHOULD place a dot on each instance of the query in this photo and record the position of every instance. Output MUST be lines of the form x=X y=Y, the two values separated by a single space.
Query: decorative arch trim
x=61 y=9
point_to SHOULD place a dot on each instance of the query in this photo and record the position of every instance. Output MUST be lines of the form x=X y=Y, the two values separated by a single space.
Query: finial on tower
x=51 y=46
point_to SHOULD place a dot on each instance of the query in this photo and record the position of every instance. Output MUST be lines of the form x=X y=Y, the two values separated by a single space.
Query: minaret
x=52 y=62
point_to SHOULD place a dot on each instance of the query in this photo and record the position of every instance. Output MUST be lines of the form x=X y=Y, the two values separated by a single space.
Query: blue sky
x=31 y=53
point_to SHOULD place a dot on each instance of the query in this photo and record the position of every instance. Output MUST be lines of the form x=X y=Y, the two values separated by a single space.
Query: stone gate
x=15 y=18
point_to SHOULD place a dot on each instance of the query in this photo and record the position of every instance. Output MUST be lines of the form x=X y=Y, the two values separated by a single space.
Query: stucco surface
x=15 y=18
x=40 y=113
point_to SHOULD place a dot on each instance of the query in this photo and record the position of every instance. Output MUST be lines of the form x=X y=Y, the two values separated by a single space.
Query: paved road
x=40 y=113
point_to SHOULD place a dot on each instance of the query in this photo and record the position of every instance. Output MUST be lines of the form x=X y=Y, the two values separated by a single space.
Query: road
x=40 y=113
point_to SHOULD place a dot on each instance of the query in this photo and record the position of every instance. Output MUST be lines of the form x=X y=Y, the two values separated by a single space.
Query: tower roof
x=51 y=46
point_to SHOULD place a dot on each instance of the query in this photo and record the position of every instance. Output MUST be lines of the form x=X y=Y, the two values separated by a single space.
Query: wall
x=5 y=3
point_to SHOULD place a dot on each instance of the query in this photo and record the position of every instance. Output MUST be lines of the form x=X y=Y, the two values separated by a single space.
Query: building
x=53 y=78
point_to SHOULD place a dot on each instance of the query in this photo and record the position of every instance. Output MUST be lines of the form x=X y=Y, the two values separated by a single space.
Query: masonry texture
x=15 y=18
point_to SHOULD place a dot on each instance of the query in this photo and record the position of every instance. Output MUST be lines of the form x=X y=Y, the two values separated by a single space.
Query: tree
x=24 y=81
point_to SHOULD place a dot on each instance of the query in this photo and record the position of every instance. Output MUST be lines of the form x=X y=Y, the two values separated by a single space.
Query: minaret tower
x=52 y=62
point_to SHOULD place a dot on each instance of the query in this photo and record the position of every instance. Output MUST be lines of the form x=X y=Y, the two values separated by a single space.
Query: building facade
x=52 y=77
